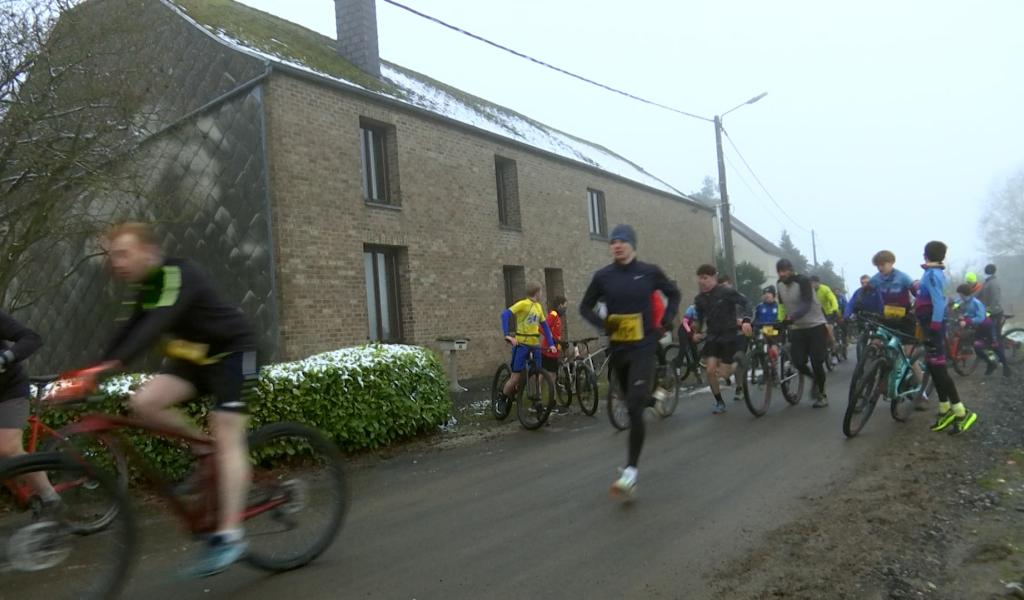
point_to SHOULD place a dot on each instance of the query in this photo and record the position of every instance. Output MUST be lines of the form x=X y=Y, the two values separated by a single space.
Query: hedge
x=363 y=397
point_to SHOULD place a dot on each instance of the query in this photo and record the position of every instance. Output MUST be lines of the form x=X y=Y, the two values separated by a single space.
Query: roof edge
x=359 y=91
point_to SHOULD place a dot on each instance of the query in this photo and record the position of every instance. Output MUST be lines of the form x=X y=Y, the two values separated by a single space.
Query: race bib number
x=894 y=312
x=770 y=331
x=186 y=350
x=626 y=328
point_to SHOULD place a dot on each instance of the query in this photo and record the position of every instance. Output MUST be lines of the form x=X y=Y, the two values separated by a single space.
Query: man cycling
x=626 y=287
x=896 y=294
x=722 y=311
x=17 y=343
x=829 y=306
x=210 y=349
x=808 y=337
x=973 y=313
x=528 y=318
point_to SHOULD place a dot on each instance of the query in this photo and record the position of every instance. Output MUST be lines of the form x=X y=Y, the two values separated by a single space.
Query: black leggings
x=810 y=343
x=935 y=358
x=634 y=372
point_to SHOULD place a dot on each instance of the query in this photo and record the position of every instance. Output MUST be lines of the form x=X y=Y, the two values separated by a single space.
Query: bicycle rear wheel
x=564 y=385
x=298 y=499
x=586 y=388
x=535 y=402
x=757 y=385
x=501 y=405
x=669 y=381
x=618 y=412
x=100 y=452
x=1013 y=345
x=864 y=394
x=903 y=405
x=42 y=555
x=791 y=381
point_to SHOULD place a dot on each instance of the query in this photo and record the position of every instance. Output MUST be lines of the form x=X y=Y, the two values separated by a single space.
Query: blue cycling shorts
x=520 y=354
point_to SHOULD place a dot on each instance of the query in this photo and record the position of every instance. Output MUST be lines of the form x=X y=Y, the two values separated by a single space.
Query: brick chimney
x=357 y=33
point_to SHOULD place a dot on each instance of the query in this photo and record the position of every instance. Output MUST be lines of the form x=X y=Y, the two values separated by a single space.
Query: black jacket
x=179 y=301
x=627 y=290
x=17 y=343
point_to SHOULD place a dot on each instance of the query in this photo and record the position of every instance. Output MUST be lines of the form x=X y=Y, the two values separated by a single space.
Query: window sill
x=599 y=238
x=381 y=205
x=510 y=228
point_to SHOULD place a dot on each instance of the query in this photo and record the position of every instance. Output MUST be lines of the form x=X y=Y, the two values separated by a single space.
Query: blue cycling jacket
x=766 y=313
x=894 y=288
x=973 y=310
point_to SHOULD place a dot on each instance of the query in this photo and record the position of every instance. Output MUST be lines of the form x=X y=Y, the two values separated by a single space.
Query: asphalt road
x=527 y=515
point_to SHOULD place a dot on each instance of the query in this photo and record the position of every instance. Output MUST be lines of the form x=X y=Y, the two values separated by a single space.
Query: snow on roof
x=299 y=48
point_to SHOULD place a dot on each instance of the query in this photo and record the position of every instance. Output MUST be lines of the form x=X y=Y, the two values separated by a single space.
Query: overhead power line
x=545 y=64
x=758 y=180
x=743 y=180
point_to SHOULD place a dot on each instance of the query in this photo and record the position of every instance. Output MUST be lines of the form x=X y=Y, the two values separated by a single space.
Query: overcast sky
x=886 y=124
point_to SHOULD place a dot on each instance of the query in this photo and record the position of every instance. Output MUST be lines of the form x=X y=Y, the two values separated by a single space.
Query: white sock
x=629 y=473
x=230 y=536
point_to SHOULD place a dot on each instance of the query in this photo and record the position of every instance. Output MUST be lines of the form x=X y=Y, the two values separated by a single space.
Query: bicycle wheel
x=501 y=406
x=534 y=404
x=757 y=385
x=618 y=413
x=683 y=364
x=1013 y=345
x=42 y=556
x=864 y=394
x=901 y=407
x=669 y=381
x=586 y=388
x=298 y=499
x=564 y=385
x=101 y=452
x=791 y=381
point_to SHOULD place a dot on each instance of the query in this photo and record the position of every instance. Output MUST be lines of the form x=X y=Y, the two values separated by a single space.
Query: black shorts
x=721 y=347
x=549 y=363
x=907 y=326
x=227 y=380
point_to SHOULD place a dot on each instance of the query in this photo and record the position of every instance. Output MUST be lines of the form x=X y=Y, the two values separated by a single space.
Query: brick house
x=345 y=199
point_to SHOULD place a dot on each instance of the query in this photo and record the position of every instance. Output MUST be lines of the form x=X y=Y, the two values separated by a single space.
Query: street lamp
x=730 y=259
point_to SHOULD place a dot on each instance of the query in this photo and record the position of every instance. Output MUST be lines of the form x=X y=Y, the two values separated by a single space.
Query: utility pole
x=723 y=192
x=814 y=249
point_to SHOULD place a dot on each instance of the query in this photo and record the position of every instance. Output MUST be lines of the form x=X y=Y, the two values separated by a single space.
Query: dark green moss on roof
x=274 y=35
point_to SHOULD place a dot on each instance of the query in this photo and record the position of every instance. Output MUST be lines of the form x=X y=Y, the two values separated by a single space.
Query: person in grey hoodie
x=808 y=335
x=991 y=295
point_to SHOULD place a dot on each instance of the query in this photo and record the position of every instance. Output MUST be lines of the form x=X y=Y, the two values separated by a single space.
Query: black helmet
x=769 y=290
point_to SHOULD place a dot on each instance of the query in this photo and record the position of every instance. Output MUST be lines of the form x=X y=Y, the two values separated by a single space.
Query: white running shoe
x=625 y=486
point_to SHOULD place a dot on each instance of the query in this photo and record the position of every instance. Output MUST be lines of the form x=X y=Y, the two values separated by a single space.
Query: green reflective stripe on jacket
x=164 y=291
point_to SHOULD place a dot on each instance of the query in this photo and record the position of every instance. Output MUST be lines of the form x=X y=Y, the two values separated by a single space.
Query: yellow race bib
x=190 y=351
x=894 y=312
x=769 y=331
x=626 y=328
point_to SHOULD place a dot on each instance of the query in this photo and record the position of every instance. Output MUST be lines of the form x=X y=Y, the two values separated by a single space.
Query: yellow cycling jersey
x=827 y=299
x=529 y=315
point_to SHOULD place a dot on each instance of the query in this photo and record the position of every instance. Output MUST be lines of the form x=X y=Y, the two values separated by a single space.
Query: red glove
x=935 y=325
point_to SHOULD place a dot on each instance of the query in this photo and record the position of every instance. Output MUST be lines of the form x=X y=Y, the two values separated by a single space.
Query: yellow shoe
x=962 y=424
x=944 y=420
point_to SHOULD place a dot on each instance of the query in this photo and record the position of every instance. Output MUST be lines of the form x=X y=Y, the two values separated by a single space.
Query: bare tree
x=1003 y=223
x=68 y=115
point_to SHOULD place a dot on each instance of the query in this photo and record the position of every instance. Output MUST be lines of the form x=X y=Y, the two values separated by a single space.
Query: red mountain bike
x=295 y=508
